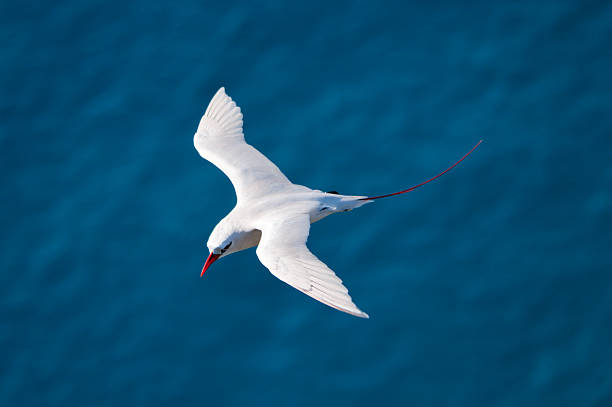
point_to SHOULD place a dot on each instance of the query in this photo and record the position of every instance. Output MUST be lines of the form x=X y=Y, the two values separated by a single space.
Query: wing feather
x=283 y=251
x=220 y=140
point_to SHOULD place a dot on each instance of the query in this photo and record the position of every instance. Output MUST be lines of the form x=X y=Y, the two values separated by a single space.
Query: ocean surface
x=491 y=286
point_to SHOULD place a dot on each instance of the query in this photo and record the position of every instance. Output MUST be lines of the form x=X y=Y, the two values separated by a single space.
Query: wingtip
x=357 y=313
x=220 y=92
x=222 y=116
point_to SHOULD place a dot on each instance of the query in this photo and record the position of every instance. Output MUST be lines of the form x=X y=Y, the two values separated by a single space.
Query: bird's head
x=220 y=243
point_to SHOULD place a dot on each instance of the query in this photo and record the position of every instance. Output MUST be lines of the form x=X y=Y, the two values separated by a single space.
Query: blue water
x=490 y=287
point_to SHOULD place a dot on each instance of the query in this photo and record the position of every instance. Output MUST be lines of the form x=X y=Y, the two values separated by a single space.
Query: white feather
x=268 y=202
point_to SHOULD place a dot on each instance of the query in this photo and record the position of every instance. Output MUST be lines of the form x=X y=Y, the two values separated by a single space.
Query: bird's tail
x=370 y=198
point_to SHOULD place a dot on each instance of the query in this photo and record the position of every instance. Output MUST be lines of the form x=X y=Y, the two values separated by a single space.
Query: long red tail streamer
x=429 y=180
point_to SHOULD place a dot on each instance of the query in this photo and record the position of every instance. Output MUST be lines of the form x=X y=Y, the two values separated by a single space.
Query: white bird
x=271 y=212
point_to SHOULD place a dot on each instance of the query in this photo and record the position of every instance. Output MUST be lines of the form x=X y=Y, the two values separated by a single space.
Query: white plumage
x=270 y=210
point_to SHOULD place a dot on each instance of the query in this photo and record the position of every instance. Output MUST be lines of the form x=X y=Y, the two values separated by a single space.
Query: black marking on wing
x=333 y=192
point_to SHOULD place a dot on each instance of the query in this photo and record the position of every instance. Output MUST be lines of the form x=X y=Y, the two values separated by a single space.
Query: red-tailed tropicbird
x=271 y=212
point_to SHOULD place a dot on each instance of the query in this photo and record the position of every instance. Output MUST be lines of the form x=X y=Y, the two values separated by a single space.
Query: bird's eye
x=226 y=247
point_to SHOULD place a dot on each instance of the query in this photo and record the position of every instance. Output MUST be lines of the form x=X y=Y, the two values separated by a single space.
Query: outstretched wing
x=283 y=251
x=220 y=140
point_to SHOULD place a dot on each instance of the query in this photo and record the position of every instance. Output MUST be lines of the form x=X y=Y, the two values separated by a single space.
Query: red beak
x=210 y=260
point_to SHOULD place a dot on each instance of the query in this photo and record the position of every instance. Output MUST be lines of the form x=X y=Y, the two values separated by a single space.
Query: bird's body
x=247 y=220
x=271 y=212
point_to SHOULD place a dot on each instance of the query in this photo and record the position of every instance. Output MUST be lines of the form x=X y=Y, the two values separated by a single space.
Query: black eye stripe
x=226 y=247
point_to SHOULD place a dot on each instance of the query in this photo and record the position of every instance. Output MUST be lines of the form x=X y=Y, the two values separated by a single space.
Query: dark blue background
x=490 y=287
